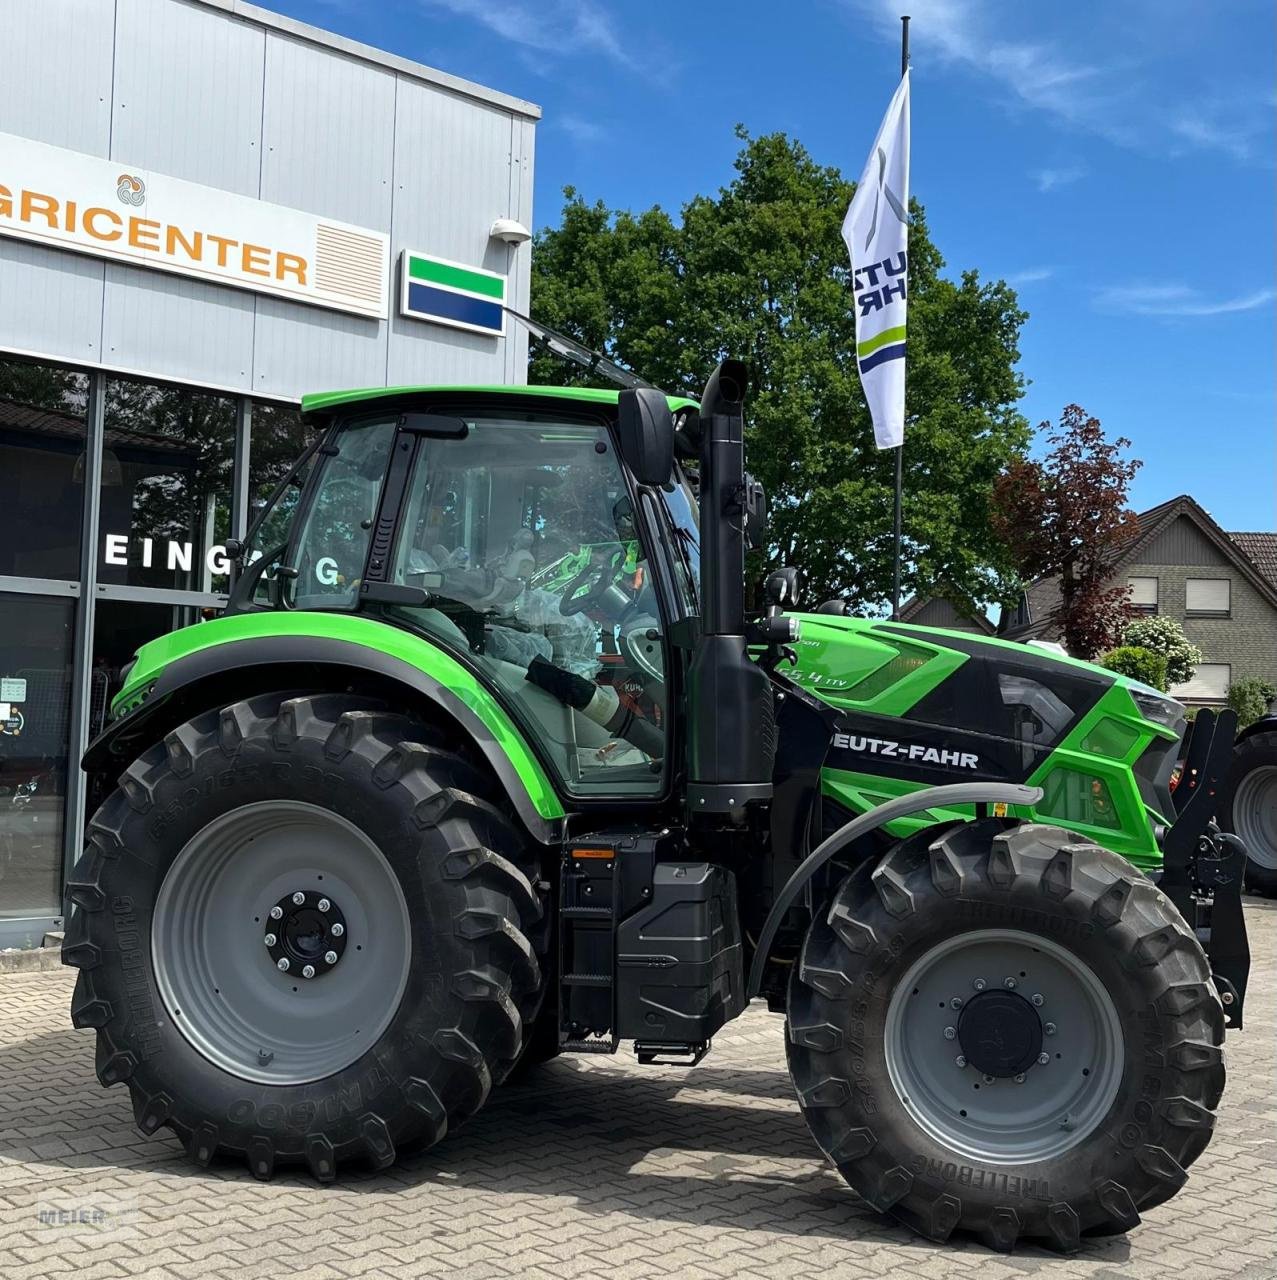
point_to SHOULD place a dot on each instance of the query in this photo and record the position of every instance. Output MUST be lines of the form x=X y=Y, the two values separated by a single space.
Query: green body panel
x=375 y=636
x=325 y=401
x=857 y=666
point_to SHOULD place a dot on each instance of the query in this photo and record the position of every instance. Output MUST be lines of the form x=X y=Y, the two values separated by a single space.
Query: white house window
x=1143 y=594
x=1209 y=683
x=1207 y=595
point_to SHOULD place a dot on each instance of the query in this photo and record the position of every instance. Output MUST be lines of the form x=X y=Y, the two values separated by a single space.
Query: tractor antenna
x=577 y=353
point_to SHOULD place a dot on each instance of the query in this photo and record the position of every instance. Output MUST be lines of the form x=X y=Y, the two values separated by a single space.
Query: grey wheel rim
x=216 y=972
x=1255 y=815
x=1036 y=1114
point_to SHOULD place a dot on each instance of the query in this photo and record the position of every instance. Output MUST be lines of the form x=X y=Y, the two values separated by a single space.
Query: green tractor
x=486 y=761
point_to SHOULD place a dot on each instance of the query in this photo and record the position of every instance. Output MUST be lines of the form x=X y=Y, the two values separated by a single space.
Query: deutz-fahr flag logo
x=449 y=293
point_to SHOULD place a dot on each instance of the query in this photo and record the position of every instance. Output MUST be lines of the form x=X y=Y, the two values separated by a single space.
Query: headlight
x=1156 y=706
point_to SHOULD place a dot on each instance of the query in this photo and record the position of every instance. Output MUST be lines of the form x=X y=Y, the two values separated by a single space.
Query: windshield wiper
x=576 y=352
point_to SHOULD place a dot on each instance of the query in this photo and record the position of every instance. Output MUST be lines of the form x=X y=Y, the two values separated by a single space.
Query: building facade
x=1182 y=565
x=206 y=210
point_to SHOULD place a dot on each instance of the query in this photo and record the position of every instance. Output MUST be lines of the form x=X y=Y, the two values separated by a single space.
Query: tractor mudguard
x=1265 y=724
x=350 y=645
x=915 y=802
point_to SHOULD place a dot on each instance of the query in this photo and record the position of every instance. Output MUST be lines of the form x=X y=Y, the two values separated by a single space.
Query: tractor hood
x=917 y=706
x=855 y=662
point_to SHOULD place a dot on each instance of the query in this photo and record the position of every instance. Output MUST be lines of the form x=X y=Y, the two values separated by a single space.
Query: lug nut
x=1010 y=983
x=1037 y=999
x=308 y=971
x=298 y=898
x=979 y=984
x=282 y=964
x=989 y=1080
x=1043 y=1059
x=1020 y=1078
x=276 y=912
x=956 y=1002
x=269 y=939
x=950 y=1033
x=960 y=1060
x=1049 y=1028
x=338 y=929
x=330 y=957
x=323 y=904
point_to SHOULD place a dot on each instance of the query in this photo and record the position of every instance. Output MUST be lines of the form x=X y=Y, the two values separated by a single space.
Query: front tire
x=305 y=936
x=1248 y=808
x=1070 y=1085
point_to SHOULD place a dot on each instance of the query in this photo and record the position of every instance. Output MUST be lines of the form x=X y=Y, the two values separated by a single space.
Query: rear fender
x=229 y=671
x=1265 y=724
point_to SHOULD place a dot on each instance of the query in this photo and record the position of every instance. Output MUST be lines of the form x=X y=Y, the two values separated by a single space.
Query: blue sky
x=1113 y=159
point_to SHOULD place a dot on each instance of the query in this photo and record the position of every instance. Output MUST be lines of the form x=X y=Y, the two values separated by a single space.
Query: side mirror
x=646 y=428
x=234 y=549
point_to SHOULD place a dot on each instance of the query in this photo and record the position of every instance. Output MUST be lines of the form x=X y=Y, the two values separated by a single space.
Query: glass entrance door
x=36 y=646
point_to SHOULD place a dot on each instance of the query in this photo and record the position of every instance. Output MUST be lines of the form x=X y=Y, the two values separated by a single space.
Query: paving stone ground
x=598 y=1168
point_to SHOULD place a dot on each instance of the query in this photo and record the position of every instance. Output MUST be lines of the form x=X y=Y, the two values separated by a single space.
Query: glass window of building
x=167 y=464
x=36 y=639
x=42 y=434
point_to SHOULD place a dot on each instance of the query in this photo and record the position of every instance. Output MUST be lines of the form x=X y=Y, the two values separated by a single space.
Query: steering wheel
x=587 y=589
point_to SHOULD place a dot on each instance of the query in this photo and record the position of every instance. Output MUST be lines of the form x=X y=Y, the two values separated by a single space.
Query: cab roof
x=327 y=401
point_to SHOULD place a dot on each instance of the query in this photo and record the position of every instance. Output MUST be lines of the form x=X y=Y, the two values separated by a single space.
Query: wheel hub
x=306 y=934
x=1000 y=1033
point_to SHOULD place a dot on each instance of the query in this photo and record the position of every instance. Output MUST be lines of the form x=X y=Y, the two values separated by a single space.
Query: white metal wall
x=196 y=91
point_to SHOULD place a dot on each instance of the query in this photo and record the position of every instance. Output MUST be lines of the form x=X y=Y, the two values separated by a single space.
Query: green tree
x=1139 y=664
x=760 y=271
x=1251 y=698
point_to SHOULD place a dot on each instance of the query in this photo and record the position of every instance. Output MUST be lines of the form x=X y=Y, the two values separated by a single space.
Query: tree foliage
x=1251 y=698
x=1166 y=636
x=1067 y=516
x=760 y=271
x=1139 y=664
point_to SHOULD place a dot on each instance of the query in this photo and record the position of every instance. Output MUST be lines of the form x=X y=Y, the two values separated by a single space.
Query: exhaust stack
x=732 y=724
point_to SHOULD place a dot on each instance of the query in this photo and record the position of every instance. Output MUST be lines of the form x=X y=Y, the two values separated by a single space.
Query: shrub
x=1166 y=636
x=1250 y=699
x=1138 y=663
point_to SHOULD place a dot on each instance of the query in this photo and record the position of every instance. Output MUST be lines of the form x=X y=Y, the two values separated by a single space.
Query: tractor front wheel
x=305 y=935
x=1007 y=1031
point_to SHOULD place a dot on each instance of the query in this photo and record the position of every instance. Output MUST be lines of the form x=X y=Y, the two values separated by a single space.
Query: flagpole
x=900 y=448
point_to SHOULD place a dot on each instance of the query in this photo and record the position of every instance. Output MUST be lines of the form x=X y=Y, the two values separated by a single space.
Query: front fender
x=174 y=667
x=916 y=801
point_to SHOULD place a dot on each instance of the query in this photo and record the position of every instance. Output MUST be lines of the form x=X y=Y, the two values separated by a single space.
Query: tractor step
x=587 y=927
x=588 y=1046
x=670 y=1054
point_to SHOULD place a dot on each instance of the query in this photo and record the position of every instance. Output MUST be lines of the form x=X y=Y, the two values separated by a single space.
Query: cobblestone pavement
x=599 y=1168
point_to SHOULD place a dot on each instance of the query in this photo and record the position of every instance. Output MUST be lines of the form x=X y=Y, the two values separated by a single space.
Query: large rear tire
x=1248 y=808
x=305 y=935
x=1010 y=1032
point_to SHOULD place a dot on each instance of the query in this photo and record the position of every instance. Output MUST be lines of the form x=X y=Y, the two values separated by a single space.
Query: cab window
x=524 y=536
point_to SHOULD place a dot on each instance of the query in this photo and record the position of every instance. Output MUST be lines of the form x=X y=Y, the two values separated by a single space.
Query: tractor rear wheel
x=305 y=936
x=1007 y=1031
x=1248 y=808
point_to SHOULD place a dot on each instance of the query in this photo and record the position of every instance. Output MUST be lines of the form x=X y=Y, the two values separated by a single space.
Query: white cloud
x=1114 y=97
x=546 y=27
x=1030 y=275
x=1049 y=179
x=1176 y=300
x=578 y=128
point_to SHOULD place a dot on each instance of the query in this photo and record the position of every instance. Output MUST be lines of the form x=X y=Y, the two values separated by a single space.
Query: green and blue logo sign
x=448 y=293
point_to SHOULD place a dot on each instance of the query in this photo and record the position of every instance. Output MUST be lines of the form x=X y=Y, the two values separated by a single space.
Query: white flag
x=876 y=230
